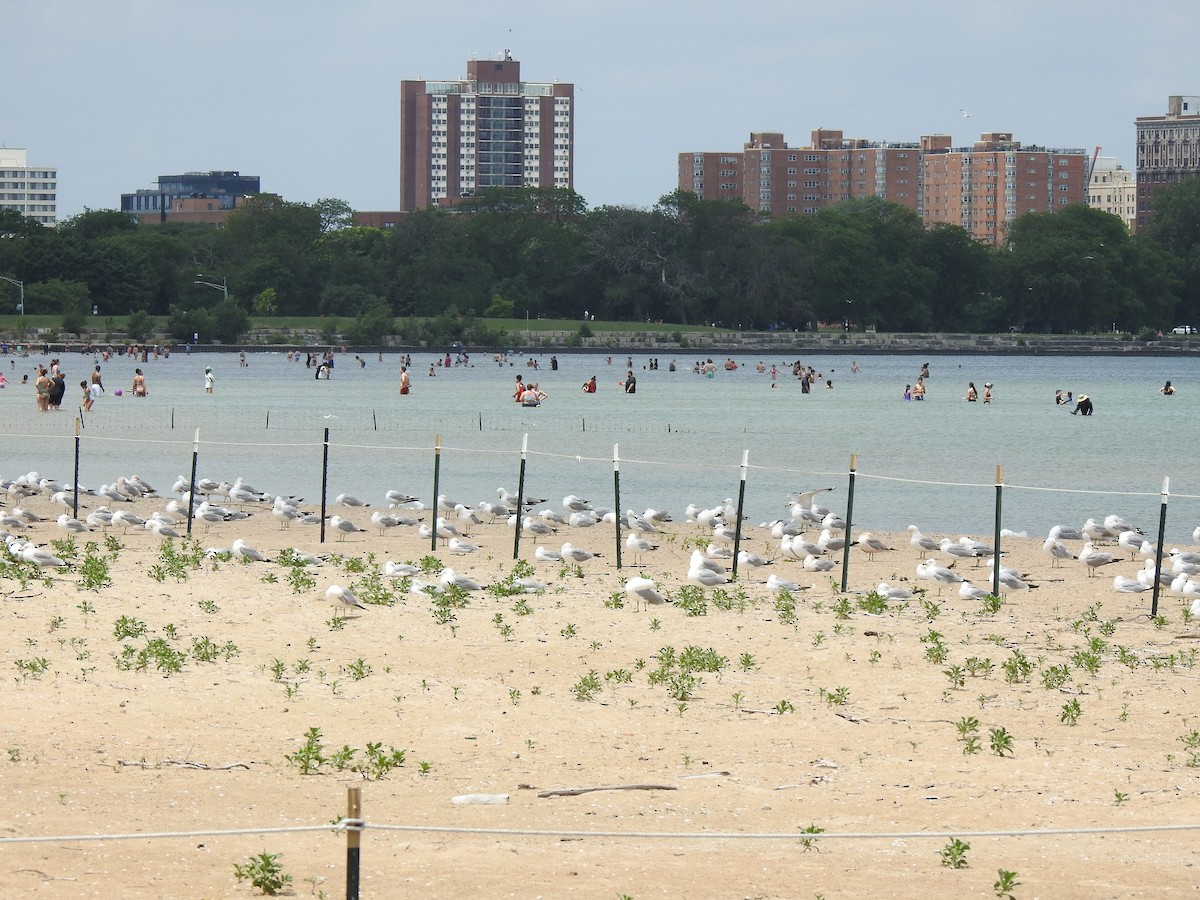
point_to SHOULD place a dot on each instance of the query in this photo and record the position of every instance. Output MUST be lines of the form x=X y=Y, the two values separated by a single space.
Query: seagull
x=1094 y=559
x=246 y=552
x=833 y=522
x=576 y=554
x=968 y=591
x=1123 y=585
x=643 y=590
x=957 y=550
x=573 y=504
x=72 y=525
x=399 y=570
x=445 y=529
x=700 y=561
x=127 y=519
x=925 y=545
x=1066 y=533
x=745 y=558
x=450 y=577
x=532 y=526
x=803 y=505
x=549 y=515
x=870 y=544
x=818 y=563
x=541 y=554
x=495 y=510
x=347 y=500
x=383 y=521
x=712 y=551
x=965 y=114
x=466 y=514
x=931 y=570
x=892 y=592
x=26 y=515
x=1011 y=579
x=639 y=545
x=342 y=595
x=1119 y=524
x=457 y=545
x=41 y=557
x=583 y=519
x=285 y=514
x=161 y=528
x=638 y=524
x=1057 y=550
x=724 y=533
x=656 y=516
x=343 y=527
x=399 y=498
x=706 y=577
x=828 y=543
x=775 y=583
x=1094 y=531
x=1131 y=540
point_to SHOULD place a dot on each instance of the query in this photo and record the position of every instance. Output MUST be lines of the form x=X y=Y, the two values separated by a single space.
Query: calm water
x=681 y=437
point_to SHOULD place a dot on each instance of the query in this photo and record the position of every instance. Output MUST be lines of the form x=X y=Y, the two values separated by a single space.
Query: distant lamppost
x=21 y=288
x=222 y=287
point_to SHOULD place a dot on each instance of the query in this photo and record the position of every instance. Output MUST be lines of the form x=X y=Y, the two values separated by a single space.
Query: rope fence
x=353 y=825
x=712 y=474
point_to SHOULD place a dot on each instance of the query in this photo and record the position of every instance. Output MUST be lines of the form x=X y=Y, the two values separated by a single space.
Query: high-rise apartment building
x=490 y=129
x=30 y=190
x=1113 y=189
x=206 y=197
x=985 y=187
x=981 y=188
x=775 y=179
x=1168 y=149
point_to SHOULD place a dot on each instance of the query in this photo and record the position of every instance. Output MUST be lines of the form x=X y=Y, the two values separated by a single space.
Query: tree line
x=543 y=253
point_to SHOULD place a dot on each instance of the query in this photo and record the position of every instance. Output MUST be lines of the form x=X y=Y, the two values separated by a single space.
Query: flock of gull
x=811 y=536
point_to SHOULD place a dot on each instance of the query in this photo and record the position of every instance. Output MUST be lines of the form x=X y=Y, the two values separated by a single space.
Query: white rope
x=785 y=836
x=156 y=835
x=343 y=825
x=966 y=484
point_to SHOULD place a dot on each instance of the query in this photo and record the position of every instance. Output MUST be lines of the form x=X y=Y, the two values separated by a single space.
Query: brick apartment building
x=981 y=188
x=490 y=129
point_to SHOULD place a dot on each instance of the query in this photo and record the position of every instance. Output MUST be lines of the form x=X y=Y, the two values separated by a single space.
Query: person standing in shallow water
x=405 y=381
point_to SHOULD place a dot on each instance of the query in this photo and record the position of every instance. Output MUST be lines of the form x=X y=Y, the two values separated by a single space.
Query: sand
x=838 y=720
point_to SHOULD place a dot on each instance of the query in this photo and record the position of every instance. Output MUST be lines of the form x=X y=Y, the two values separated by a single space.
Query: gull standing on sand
x=893 y=592
x=818 y=563
x=458 y=545
x=343 y=595
x=968 y=591
x=931 y=570
x=746 y=558
x=925 y=545
x=1094 y=559
x=343 y=527
x=643 y=590
x=576 y=554
x=1123 y=585
x=541 y=554
x=639 y=545
x=1056 y=548
x=870 y=544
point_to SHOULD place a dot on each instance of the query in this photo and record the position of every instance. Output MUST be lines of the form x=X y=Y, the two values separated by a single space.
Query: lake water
x=681 y=437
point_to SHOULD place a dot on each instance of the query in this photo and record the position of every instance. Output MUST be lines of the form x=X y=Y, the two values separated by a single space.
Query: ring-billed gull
x=775 y=583
x=343 y=527
x=1094 y=559
x=870 y=544
x=1123 y=585
x=643 y=591
x=343 y=595
x=241 y=549
x=1057 y=549
x=923 y=543
x=576 y=554
x=541 y=554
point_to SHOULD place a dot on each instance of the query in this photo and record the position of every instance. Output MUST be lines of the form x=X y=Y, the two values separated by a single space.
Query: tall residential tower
x=489 y=130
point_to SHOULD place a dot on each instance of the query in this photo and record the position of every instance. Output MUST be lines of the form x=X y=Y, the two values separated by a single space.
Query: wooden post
x=354 y=825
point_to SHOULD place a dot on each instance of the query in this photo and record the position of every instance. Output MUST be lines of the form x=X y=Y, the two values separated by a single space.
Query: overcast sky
x=305 y=94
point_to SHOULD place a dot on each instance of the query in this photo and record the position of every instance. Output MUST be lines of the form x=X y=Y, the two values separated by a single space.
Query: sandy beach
x=149 y=690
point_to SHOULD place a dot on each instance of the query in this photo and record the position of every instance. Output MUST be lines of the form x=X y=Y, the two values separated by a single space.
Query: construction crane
x=1092 y=168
